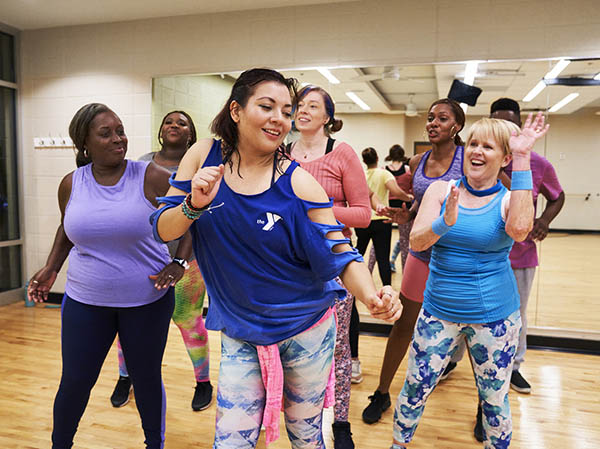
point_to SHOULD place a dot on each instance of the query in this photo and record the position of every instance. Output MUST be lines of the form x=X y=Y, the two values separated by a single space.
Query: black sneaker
x=449 y=368
x=122 y=391
x=478 y=430
x=379 y=404
x=202 y=396
x=342 y=437
x=518 y=383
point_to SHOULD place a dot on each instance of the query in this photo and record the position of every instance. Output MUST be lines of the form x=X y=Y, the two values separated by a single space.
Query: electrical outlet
x=562 y=156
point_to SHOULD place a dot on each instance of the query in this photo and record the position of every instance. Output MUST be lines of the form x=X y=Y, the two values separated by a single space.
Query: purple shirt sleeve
x=545 y=181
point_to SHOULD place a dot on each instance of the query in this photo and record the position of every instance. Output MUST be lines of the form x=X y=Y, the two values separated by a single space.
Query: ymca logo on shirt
x=269 y=223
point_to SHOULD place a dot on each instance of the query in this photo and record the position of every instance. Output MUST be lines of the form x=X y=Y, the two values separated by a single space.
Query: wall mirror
x=391 y=108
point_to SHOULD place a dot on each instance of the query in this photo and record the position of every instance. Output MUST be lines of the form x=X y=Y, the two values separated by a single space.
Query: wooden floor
x=563 y=411
x=566 y=290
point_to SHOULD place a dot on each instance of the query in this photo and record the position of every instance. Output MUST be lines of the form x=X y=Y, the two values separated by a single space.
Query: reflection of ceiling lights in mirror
x=470 y=72
x=327 y=74
x=355 y=98
x=569 y=98
x=535 y=91
x=559 y=67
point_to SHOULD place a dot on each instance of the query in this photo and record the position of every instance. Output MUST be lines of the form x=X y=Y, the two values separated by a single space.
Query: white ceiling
x=388 y=89
x=34 y=14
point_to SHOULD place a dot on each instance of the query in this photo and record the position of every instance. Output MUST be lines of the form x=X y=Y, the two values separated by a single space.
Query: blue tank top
x=420 y=183
x=470 y=278
x=114 y=251
x=268 y=268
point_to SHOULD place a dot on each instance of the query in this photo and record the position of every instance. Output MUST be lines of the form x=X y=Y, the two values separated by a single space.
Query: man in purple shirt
x=523 y=257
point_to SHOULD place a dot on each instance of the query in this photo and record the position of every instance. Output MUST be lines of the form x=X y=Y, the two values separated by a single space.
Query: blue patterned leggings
x=306 y=359
x=492 y=348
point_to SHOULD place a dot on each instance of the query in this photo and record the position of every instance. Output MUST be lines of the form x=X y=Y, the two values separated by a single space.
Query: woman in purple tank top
x=119 y=278
x=444 y=161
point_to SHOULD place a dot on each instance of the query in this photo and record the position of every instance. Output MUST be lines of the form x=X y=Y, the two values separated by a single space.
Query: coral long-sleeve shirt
x=341 y=174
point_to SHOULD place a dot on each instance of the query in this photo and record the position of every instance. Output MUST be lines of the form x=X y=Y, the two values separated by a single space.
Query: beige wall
x=379 y=131
x=64 y=68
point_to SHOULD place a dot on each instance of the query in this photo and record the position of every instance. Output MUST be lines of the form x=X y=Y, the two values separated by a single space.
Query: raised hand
x=40 y=284
x=532 y=130
x=451 y=212
x=205 y=185
x=386 y=305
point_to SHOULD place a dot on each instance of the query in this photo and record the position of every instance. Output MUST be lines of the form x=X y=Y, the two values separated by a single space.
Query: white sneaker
x=356 y=372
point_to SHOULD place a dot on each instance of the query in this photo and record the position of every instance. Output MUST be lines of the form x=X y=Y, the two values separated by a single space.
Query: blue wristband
x=439 y=226
x=521 y=180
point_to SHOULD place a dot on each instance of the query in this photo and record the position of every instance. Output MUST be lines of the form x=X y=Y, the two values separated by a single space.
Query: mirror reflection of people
x=176 y=134
x=445 y=120
x=398 y=166
x=335 y=165
x=471 y=293
x=119 y=280
x=523 y=256
x=268 y=245
x=381 y=183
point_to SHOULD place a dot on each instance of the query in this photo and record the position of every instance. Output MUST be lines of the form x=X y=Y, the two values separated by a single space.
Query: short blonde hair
x=500 y=130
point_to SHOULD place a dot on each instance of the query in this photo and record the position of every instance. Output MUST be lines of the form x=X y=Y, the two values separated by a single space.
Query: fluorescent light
x=535 y=91
x=559 y=67
x=327 y=74
x=355 y=98
x=470 y=72
x=569 y=98
x=597 y=77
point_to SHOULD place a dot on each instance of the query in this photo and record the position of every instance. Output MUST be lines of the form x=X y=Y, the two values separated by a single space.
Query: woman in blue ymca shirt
x=269 y=247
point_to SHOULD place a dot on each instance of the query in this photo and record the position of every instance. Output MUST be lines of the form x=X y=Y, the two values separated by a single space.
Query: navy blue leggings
x=87 y=335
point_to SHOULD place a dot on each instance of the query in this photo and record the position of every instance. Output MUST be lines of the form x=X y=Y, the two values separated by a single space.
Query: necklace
x=486 y=192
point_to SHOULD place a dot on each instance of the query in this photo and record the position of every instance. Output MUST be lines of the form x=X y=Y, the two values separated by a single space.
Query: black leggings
x=381 y=233
x=87 y=334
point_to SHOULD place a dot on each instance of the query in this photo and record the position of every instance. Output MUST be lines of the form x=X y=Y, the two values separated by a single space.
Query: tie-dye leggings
x=492 y=348
x=306 y=360
x=189 y=305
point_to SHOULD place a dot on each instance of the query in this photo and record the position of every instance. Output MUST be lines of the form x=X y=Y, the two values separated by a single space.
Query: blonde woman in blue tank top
x=471 y=223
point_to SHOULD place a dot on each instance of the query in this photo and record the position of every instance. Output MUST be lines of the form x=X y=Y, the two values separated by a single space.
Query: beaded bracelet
x=521 y=180
x=189 y=210
x=439 y=226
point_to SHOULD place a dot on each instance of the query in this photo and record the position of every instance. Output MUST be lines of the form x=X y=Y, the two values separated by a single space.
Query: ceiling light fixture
x=355 y=98
x=559 y=67
x=327 y=74
x=535 y=91
x=597 y=77
x=470 y=72
x=569 y=98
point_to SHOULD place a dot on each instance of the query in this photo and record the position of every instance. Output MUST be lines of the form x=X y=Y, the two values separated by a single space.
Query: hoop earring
x=85 y=153
x=452 y=136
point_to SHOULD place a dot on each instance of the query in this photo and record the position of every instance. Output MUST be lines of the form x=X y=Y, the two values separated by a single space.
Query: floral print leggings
x=492 y=348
